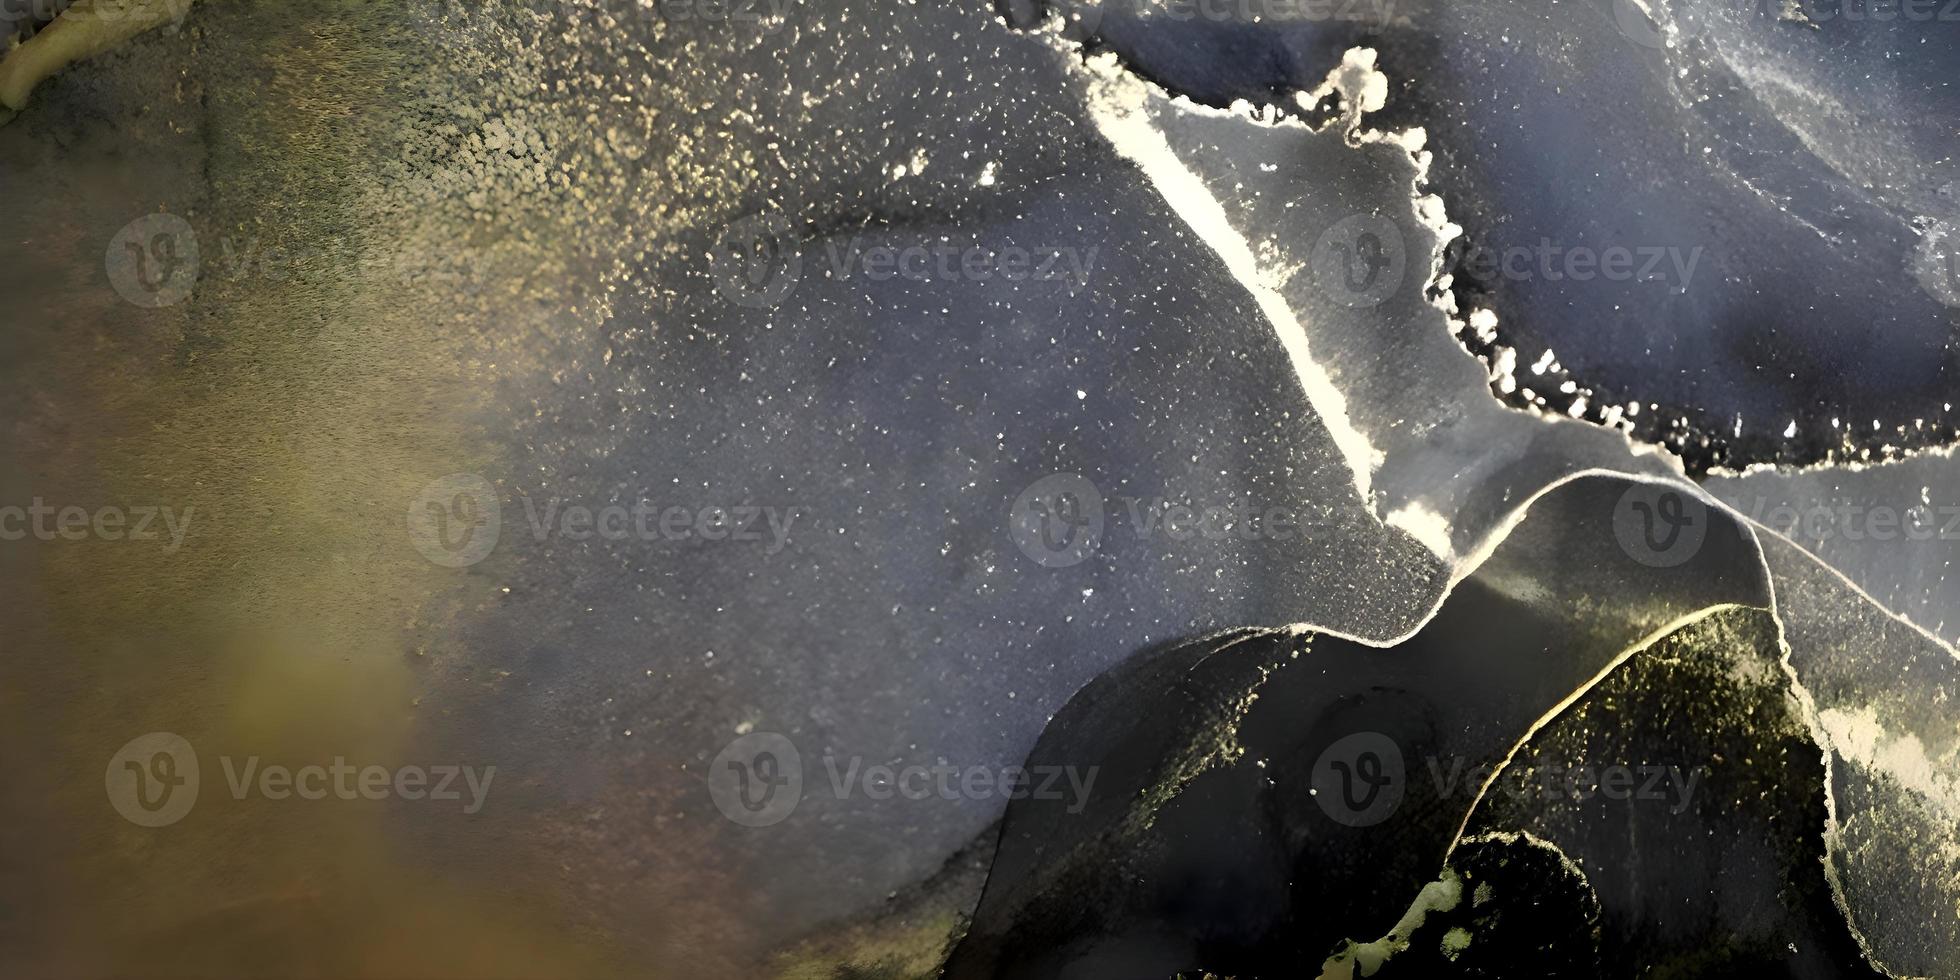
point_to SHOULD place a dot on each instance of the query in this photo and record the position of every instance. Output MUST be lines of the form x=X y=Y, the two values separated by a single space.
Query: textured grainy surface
x=1894 y=529
x=1883 y=694
x=454 y=239
x=1212 y=844
x=476 y=242
x=1794 y=165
